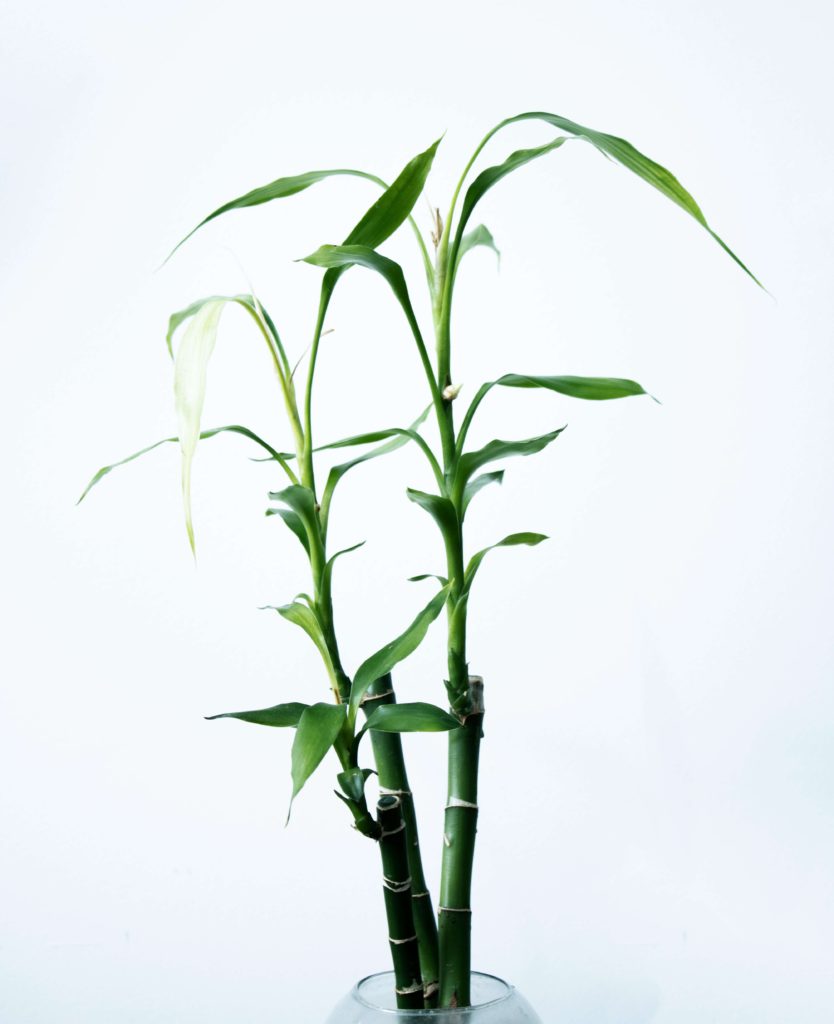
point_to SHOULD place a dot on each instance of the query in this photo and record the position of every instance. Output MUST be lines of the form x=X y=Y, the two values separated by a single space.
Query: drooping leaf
x=399 y=437
x=190 y=366
x=442 y=580
x=530 y=539
x=415 y=717
x=473 y=486
x=280 y=716
x=380 y=663
x=294 y=522
x=317 y=731
x=638 y=163
x=439 y=508
x=340 y=257
x=492 y=175
x=204 y=435
x=278 y=189
x=479 y=236
x=471 y=462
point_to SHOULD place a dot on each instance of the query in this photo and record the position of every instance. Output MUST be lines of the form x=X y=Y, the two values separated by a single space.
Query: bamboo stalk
x=396 y=882
x=459 y=831
x=393 y=780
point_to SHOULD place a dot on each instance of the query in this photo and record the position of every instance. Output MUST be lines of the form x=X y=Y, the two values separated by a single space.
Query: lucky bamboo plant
x=430 y=949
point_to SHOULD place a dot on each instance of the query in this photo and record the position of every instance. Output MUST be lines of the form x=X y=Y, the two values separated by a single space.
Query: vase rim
x=438 y=1012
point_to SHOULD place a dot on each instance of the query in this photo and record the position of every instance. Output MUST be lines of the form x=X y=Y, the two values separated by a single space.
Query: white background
x=656 y=834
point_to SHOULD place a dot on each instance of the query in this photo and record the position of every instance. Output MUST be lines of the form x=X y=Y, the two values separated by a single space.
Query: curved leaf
x=341 y=257
x=294 y=521
x=479 y=236
x=514 y=539
x=278 y=189
x=280 y=716
x=327 y=576
x=439 y=508
x=415 y=717
x=399 y=437
x=638 y=163
x=232 y=428
x=317 y=731
x=393 y=653
x=470 y=462
x=442 y=580
x=492 y=175
x=473 y=486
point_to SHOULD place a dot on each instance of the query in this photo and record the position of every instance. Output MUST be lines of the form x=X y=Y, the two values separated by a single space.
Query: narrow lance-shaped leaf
x=624 y=153
x=317 y=731
x=280 y=716
x=590 y=388
x=281 y=188
x=204 y=435
x=514 y=539
x=470 y=462
x=474 y=486
x=395 y=203
x=398 y=438
x=394 y=652
x=492 y=175
x=414 y=717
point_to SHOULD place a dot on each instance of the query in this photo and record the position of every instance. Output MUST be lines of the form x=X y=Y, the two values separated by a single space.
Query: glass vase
x=372 y=1001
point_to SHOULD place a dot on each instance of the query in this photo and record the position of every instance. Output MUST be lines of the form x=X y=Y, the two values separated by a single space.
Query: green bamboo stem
x=396 y=882
x=393 y=780
x=459 y=830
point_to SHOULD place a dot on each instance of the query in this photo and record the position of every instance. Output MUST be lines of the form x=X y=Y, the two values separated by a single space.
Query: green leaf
x=281 y=715
x=472 y=488
x=380 y=663
x=514 y=539
x=439 y=508
x=395 y=203
x=472 y=461
x=638 y=163
x=278 y=189
x=353 y=782
x=340 y=257
x=233 y=428
x=479 y=236
x=416 y=717
x=593 y=388
x=302 y=501
x=428 y=576
x=294 y=522
x=399 y=437
x=304 y=616
x=317 y=731
x=492 y=175
x=328 y=568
